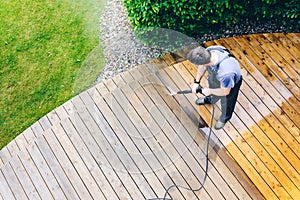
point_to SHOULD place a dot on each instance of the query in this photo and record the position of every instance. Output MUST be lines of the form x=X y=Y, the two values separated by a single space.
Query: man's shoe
x=200 y=101
x=219 y=125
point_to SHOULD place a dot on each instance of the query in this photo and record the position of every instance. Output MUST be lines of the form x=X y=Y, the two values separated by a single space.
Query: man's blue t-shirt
x=227 y=70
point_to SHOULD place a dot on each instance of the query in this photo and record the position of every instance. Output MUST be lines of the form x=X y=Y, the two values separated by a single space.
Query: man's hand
x=194 y=87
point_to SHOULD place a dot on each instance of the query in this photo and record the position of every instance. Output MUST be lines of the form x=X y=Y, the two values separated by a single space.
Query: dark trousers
x=227 y=102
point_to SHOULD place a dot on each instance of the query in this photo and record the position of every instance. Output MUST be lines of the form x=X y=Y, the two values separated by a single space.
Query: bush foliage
x=199 y=16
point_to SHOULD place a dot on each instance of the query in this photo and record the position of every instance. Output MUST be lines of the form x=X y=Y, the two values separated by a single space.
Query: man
x=224 y=79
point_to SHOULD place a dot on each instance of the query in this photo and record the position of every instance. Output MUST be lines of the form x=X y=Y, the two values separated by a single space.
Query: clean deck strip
x=127 y=138
x=285 y=172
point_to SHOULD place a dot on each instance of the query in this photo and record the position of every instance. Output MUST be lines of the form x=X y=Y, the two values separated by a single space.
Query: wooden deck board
x=29 y=136
x=56 y=168
x=5 y=155
x=13 y=181
x=95 y=144
x=76 y=160
x=96 y=135
x=103 y=153
x=274 y=102
x=88 y=159
x=286 y=51
x=66 y=165
x=45 y=173
x=33 y=173
x=127 y=138
x=123 y=144
x=24 y=179
x=21 y=141
x=279 y=67
x=280 y=115
x=291 y=37
x=6 y=192
x=45 y=123
x=272 y=136
x=53 y=117
x=37 y=128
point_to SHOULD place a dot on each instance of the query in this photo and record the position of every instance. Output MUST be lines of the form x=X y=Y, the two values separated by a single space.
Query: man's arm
x=200 y=72
x=216 y=91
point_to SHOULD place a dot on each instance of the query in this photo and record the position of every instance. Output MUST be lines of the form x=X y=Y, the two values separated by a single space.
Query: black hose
x=206 y=167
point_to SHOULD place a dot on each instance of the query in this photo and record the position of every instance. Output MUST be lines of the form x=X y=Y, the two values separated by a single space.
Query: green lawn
x=50 y=51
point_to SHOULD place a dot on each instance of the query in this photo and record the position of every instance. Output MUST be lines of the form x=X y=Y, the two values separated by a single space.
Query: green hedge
x=199 y=16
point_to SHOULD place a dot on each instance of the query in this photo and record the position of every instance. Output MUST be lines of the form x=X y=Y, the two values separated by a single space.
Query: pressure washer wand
x=198 y=90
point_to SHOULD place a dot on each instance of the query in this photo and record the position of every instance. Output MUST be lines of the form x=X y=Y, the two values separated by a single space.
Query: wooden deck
x=127 y=138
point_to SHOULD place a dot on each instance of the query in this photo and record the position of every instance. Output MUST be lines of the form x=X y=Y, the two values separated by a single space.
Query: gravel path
x=123 y=51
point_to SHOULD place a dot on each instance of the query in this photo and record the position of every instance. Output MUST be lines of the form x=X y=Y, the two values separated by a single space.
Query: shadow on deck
x=128 y=138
